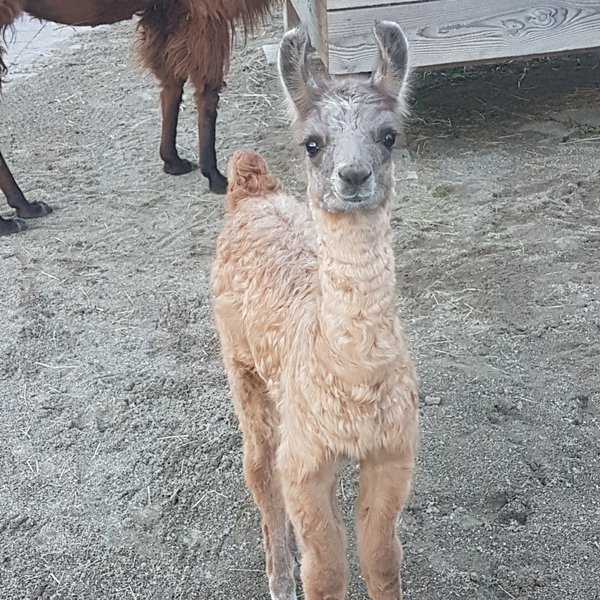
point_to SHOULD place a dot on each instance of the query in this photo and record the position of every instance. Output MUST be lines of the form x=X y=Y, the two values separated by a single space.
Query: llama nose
x=354 y=175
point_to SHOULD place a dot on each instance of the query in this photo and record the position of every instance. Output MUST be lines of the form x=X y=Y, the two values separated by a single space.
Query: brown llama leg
x=179 y=41
x=9 y=10
x=8 y=226
x=16 y=199
x=384 y=487
x=170 y=101
x=163 y=49
x=312 y=506
x=207 y=101
x=257 y=416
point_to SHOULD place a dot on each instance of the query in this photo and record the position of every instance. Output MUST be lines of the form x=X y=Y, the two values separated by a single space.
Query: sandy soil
x=120 y=463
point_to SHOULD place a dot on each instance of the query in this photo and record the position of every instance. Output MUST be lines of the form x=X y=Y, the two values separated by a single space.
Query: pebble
x=432 y=400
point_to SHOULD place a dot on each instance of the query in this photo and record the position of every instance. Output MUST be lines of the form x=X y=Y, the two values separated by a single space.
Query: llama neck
x=356 y=301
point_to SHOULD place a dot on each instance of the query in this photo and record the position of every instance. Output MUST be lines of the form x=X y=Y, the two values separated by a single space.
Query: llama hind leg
x=170 y=101
x=16 y=200
x=154 y=50
x=312 y=505
x=9 y=11
x=384 y=487
x=258 y=422
x=8 y=185
x=207 y=101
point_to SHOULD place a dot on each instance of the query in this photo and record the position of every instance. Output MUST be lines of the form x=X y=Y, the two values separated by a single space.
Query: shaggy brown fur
x=317 y=361
x=180 y=40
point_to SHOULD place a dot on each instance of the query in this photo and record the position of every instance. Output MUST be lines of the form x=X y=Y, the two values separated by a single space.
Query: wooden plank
x=351 y=4
x=447 y=32
x=290 y=16
x=313 y=15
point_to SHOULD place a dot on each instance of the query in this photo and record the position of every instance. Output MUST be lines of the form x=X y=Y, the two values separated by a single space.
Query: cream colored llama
x=318 y=364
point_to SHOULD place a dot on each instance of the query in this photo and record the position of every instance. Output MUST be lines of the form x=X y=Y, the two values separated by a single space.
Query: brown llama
x=180 y=40
x=317 y=361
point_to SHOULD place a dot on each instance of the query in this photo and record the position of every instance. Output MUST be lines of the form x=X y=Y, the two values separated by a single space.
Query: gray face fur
x=348 y=125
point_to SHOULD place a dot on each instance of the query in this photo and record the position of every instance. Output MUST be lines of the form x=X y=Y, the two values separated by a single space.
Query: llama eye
x=312 y=147
x=389 y=139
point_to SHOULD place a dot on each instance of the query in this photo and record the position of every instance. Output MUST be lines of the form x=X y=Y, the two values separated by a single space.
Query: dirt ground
x=120 y=460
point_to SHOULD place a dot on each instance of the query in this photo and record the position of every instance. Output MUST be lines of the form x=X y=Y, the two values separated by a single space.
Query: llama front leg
x=207 y=101
x=385 y=481
x=8 y=226
x=170 y=100
x=312 y=506
x=17 y=200
x=257 y=417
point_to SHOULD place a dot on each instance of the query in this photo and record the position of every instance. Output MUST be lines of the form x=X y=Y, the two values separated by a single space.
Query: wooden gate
x=447 y=32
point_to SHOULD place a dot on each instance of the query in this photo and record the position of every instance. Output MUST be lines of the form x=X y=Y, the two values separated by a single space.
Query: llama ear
x=293 y=72
x=391 y=73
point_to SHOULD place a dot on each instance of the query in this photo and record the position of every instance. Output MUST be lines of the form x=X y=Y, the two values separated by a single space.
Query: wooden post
x=290 y=16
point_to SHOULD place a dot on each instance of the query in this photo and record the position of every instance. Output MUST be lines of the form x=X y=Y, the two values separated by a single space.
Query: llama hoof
x=179 y=167
x=33 y=210
x=9 y=226
x=217 y=184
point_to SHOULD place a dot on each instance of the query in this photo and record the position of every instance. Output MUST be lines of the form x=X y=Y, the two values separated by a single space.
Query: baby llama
x=304 y=300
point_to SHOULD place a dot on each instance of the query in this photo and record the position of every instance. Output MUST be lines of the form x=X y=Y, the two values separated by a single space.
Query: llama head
x=348 y=124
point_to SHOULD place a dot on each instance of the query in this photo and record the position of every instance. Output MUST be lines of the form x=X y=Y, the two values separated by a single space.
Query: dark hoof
x=8 y=226
x=33 y=210
x=179 y=167
x=217 y=184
